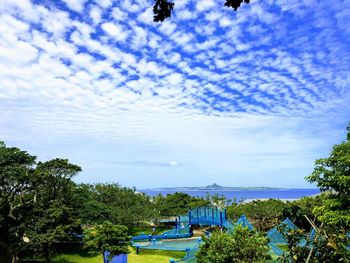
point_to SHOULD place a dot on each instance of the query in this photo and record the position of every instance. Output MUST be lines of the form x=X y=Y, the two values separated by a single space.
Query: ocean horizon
x=243 y=195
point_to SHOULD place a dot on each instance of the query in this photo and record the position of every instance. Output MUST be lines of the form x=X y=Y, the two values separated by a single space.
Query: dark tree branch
x=235 y=4
x=162 y=9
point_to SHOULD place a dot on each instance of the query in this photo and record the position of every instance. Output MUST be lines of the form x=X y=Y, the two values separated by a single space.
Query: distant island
x=213 y=187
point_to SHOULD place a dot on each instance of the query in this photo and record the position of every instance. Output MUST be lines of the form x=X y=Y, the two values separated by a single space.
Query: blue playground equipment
x=171 y=244
x=207 y=216
x=174 y=239
x=243 y=221
x=275 y=249
x=183 y=224
x=178 y=237
x=276 y=237
x=122 y=258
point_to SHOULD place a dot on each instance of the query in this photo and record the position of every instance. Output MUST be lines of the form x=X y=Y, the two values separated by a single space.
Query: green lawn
x=146 y=256
x=154 y=256
x=78 y=256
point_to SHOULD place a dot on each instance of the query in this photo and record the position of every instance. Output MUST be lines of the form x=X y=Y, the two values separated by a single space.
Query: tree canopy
x=111 y=202
x=177 y=203
x=38 y=209
x=16 y=198
x=241 y=245
x=332 y=175
x=263 y=214
x=54 y=219
x=110 y=237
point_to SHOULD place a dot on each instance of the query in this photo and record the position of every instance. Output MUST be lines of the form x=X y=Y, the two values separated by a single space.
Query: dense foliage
x=266 y=214
x=42 y=210
x=263 y=214
x=241 y=245
x=332 y=211
x=332 y=175
x=37 y=204
x=298 y=210
x=321 y=248
x=177 y=203
x=111 y=202
x=54 y=217
x=110 y=237
x=16 y=197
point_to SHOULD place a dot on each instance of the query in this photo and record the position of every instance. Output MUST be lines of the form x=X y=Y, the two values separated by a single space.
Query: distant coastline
x=213 y=187
x=246 y=194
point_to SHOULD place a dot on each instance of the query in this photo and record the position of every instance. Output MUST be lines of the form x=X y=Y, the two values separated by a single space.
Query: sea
x=244 y=195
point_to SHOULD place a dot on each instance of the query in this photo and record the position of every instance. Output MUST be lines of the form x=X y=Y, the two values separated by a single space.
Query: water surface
x=285 y=194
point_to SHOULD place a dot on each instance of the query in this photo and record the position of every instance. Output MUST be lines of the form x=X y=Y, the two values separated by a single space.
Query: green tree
x=321 y=248
x=178 y=203
x=332 y=175
x=241 y=245
x=110 y=237
x=54 y=220
x=263 y=214
x=16 y=198
x=220 y=201
x=111 y=202
x=298 y=209
x=162 y=9
x=92 y=210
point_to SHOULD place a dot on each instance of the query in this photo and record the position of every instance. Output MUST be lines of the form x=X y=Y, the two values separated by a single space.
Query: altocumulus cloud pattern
x=77 y=71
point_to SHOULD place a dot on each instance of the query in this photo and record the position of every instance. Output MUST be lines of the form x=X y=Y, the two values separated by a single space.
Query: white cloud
x=95 y=14
x=174 y=79
x=139 y=37
x=104 y=3
x=118 y=14
x=56 y=23
x=184 y=14
x=175 y=58
x=76 y=5
x=181 y=4
x=213 y=16
x=225 y=22
x=146 y=17
x=167 y=27
x=12 y=25
x=116 y=31
x=203 y=5
x=18 y=54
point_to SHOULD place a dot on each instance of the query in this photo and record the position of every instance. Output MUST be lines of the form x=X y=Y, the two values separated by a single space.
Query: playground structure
x=211 y=216
x=183 y=224
x=205 y=216
x=177 y=238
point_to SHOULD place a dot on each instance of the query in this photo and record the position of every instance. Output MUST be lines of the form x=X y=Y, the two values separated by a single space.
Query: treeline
x=42 y=210
x=266 y=214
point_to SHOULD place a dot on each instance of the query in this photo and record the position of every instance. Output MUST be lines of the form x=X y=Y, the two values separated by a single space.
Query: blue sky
x=246 y=98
